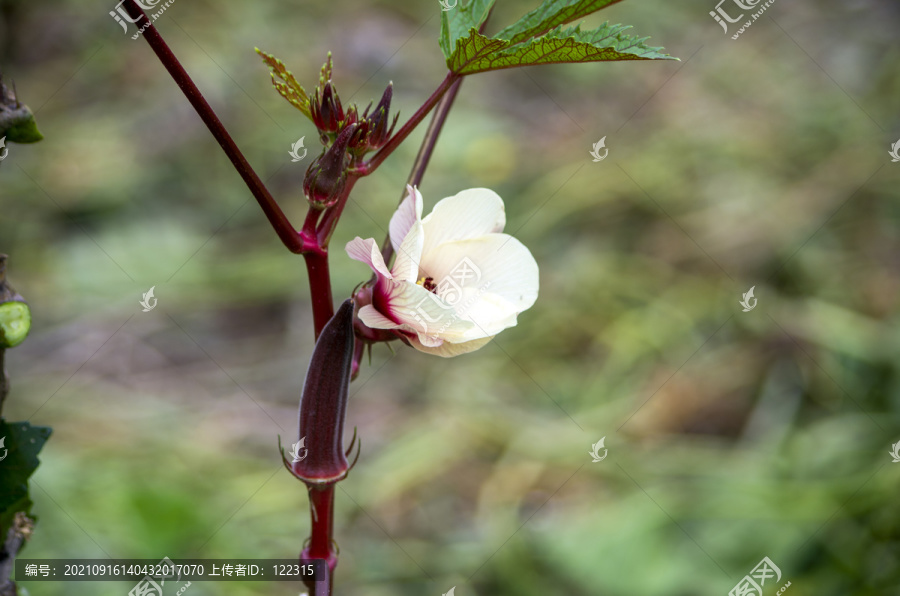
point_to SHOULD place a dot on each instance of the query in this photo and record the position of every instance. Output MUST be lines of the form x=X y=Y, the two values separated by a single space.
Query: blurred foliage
x=732 y=436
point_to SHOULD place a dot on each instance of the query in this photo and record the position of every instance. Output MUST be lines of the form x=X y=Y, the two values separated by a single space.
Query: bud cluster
x=349 y=134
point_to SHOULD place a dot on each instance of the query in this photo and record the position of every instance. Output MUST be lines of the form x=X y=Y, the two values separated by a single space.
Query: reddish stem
x=332 y=215
x=321 y=501
x=321 y=508
x=319 y=289
x=312 y=241
x=427 y=148
x=276 y=216
x=410 y=124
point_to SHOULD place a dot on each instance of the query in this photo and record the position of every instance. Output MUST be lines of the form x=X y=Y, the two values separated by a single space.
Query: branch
x=425 y=151
x=411 y=124
x=276 y=216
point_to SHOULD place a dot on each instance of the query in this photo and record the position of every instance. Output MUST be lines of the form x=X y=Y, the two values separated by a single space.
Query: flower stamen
x=428 y=284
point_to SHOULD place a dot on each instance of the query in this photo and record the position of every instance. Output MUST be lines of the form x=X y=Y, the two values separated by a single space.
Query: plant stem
x=425 y=150
x=276 y=216
x=312 y=241
x=315 y=256
x=411 y=124
x=329 y=220
x=319 y=289
x=321 y=511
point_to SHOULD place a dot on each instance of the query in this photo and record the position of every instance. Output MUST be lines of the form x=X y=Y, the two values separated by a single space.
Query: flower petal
x=467 y=214
x=406 y=266
x=490 y=314
x=408 y=213
x=366 y=251
x=423 y=312
x=488 y=280
x=374 y=319
x=449 y=350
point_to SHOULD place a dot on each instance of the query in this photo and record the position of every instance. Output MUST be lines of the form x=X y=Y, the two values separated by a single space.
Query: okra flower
x=457 y=280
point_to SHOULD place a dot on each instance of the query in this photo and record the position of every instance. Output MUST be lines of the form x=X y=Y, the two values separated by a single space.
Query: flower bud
x=359 y=142
x=378 y=120
x=326 y=110
x=326 y=176
x=15 y=316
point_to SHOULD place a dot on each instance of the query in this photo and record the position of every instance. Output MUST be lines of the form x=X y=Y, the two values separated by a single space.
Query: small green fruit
x=15 y=323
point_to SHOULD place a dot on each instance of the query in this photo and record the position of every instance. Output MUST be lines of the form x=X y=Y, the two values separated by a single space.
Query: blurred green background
x=732 y=436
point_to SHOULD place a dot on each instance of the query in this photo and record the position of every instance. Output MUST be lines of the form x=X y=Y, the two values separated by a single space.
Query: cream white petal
x=448 y=350
x=490 y=314
x=424 y=312
x=374 y=319
x=426 y=340
x=408 y=213
x=495 y=264
x=467 y=214
x=406 y=266
x=367 y=251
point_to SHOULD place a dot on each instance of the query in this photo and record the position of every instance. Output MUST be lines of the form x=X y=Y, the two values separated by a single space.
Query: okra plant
x=444 y=284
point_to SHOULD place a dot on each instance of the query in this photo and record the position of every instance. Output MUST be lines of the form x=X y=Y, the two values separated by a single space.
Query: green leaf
x=478 y=53
x=549 y=15
x=286 y=84
x=18 y=126
x=457 y=23
x=21 y=444
x=473 y=51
